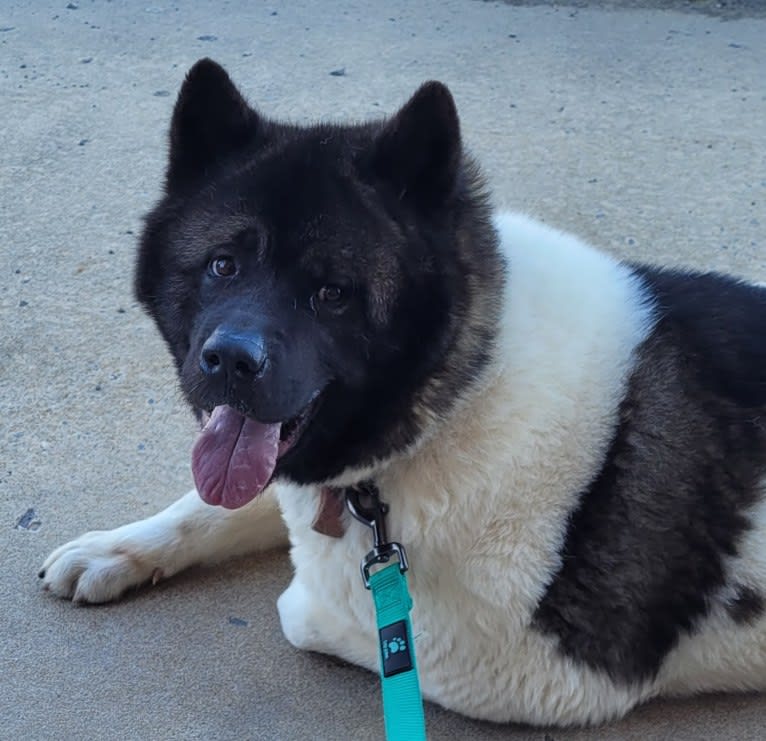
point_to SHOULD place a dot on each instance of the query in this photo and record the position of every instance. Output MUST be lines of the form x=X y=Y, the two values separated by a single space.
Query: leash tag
x=395 y=649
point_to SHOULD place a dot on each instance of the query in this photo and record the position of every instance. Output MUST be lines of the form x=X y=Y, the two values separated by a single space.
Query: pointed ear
x=419 y=151
x=211 y=120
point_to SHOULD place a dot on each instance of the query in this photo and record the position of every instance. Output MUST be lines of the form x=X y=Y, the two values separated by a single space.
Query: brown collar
x=329 y=516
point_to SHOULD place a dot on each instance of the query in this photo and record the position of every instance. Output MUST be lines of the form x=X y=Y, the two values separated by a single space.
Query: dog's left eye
x=330 y=294
x=223 y=266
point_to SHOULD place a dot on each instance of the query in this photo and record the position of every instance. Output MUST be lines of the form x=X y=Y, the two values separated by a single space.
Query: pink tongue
x=233 y=458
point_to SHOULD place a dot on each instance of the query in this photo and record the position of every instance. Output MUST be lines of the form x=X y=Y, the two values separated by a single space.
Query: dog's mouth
x=235 y=456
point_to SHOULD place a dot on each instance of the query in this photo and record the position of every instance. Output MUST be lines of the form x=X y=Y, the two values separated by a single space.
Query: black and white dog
x=573 y=448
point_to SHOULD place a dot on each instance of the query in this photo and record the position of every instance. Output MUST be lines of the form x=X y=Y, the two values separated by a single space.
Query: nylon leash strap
x=402 y=700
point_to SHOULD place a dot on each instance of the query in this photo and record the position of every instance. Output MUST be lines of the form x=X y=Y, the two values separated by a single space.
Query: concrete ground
x=641 y=128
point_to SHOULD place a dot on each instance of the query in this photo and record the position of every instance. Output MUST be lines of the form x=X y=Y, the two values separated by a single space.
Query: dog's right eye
x=223 y=266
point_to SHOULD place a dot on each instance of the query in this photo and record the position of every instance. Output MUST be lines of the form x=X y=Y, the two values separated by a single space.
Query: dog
x=572 y=448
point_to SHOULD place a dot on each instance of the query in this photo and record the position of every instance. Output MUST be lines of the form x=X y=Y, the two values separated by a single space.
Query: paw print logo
x=394 y=648
x=397 y=644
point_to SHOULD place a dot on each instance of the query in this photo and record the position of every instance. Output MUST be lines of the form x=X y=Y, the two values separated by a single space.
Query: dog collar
x=329 y=516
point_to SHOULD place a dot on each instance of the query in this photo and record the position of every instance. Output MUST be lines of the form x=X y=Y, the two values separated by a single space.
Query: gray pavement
x=642 y=129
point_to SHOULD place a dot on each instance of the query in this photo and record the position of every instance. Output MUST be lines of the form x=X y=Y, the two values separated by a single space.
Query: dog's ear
x=418 y=151
x=211 y=120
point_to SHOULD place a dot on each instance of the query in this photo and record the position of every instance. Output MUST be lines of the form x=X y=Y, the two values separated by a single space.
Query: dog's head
x=312 y=283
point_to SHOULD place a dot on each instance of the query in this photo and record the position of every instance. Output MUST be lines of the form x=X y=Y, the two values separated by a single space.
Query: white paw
x=310 y=626
x=300 y=618
x=98 y=567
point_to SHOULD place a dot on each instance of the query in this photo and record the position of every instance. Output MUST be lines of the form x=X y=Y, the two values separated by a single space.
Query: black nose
x=237 y=356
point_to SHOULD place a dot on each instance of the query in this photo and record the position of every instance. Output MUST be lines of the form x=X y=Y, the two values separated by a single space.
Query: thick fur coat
x=571 y=447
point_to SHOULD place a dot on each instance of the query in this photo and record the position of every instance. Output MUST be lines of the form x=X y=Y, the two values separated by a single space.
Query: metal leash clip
x=373 y=514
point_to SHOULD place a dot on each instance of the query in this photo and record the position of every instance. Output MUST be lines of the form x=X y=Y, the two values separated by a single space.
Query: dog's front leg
x=312 y=623
x=99 y=566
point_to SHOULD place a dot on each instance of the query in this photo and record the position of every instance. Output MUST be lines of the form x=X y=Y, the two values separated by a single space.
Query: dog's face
x=299 y=274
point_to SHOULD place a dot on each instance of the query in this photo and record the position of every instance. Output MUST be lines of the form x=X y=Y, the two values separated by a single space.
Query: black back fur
x=644 y=557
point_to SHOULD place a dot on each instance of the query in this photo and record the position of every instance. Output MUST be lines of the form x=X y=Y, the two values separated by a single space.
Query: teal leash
x=402 y=699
